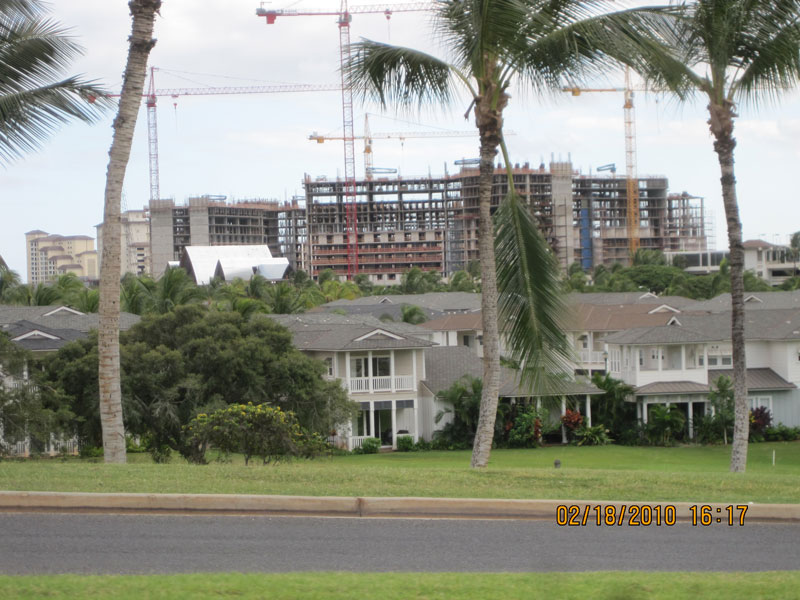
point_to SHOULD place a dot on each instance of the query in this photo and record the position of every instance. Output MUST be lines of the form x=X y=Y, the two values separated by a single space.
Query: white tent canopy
x=230 y=262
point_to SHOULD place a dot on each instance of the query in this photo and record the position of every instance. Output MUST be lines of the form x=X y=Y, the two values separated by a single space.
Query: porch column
x=347 y=371
x=366 y=425
x=416 y=422
x=589 y=410
x=372 y=419
x=414 y=368
x=369 y=371
x=394 y=424
x=644 y=412
x=636 y=350
x=639 y=412
x=683 y=358
x=691 y=420
x=538 y=404
x=658 y=355
x=563 y=412
x=391 y=368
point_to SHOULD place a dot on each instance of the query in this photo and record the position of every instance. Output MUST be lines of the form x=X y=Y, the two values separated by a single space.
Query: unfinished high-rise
x=432 y=222
x=212 y=221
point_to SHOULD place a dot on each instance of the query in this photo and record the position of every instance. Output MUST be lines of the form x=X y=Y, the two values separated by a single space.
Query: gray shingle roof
x=761 y=379
x=61 y=319
x=438 y=301
x=40 y=344
x=444 y=365
x=325 y=331
x=758 y=301
x=602 y=298
x=769 y=325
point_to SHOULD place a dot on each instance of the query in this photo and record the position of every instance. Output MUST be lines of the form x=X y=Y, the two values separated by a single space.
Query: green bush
x=596 y=435
x=405 y=443
x=369 y=446
x=422 y=445
x=526 y=431
x=782 y=433
x=87 y=451
x=259 y=430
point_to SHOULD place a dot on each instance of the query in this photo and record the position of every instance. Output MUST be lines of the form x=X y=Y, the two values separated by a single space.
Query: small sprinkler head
x=557 y=464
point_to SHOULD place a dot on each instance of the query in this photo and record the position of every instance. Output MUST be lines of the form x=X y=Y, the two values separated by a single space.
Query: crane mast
x=344 y=16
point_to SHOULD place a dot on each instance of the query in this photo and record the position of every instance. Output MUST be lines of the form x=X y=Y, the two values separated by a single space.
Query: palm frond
x=530 y=304
x=399 y=76
x=35 y=99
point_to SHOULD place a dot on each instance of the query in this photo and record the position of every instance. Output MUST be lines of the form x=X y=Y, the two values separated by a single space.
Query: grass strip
x=430 y=586
x=686 y=474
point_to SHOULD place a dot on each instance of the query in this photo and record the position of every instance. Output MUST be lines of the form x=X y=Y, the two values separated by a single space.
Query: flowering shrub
x=572 y=419
x=260 y=430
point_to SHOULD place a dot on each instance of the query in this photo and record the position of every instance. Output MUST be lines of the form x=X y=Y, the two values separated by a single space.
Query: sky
x=255 y=145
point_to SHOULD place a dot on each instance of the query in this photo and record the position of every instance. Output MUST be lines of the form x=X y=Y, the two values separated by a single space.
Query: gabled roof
x=759 y=301
x=39 y=338
x=756 y=244
x=324 y=331
x=614 y=317
x=59 y=317
x=601 y=298
x=767 y=325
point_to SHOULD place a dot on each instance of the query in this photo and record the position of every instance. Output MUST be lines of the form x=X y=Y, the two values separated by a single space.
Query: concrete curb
x=373 y=507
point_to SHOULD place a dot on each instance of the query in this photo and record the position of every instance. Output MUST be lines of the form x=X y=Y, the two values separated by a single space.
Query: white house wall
x=785 y=407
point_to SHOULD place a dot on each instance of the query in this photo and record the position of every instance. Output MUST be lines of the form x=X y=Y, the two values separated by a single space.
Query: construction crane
x=396 y=135
x=632 y=181
x=151 y=98
x=343 y=18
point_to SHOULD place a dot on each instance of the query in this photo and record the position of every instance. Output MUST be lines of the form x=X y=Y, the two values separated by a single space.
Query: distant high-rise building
x=211 y=221
x=51 y=255
x=135 y=254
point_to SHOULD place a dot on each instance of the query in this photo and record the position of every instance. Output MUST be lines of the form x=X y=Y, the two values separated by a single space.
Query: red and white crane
x=343 y=18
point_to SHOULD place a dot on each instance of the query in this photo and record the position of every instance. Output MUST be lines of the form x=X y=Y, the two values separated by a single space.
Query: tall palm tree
x=731 y=52
x=140 y=43
x=493 y=45
x=34 y=101
x=9 y=281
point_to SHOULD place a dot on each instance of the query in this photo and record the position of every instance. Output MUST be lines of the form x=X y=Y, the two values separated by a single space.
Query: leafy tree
x=463 y=400
x=40 y=294
x=492 y=44
x=140 y=43
x=645 y=256
x=462 y=281
x=612 y=408
x=722 y=401
x=665 y=424
x=34 y=101
x=731 y=52
x=195 y=360
x=9 y=281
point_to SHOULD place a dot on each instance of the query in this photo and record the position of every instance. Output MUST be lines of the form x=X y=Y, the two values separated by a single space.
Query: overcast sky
x=256 y=146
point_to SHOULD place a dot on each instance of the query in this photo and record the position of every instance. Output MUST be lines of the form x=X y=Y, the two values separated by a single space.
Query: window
x=358 y=366
x=329 y=364
x=713 y=361
x=727 y=361
x=381 y=366
x=765 y=401
x=466 y=341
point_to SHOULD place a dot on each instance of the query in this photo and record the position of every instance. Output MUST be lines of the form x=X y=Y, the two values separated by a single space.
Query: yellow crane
x=632 y=188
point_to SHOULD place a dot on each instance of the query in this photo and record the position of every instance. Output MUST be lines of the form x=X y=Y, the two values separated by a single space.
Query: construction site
x=432 y=222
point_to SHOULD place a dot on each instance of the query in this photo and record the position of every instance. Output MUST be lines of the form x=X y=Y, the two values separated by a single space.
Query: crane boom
x=343 y=18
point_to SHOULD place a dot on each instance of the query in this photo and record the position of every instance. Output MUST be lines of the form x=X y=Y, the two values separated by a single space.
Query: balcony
x=362 y=385
x=591 y=357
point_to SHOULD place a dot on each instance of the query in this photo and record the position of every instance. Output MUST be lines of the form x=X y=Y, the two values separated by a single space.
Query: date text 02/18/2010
x=645 y=515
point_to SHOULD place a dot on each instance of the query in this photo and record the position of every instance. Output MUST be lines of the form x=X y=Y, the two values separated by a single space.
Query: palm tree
x=413 y=314
x=731 y=52
x=9 y=281
x=140 y=43
x=492 y=45
x=175 y=288
x=33 y=101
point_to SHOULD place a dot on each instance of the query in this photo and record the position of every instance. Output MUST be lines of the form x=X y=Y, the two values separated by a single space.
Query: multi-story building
x=211 y=221
x=135 y=236
x=432 y=222
x=49 y=256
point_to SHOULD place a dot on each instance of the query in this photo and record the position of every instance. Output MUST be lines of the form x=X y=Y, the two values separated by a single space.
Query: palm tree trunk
x=141 y=42
x=721 y=125
x=490 y=123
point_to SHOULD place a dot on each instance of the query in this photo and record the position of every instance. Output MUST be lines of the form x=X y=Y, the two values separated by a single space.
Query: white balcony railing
x=380 y=384
x=590 y=356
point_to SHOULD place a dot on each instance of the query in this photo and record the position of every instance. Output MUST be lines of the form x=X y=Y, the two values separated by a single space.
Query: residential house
x=677 y=363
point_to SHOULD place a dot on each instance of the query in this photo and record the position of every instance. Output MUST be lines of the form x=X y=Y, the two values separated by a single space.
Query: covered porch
x=385 y=420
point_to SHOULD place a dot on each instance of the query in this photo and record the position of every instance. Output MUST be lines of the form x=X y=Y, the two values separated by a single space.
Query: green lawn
x=431 y=586
x=690 y=474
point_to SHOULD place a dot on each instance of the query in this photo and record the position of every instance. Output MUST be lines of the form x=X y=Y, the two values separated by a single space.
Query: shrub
x=526 y=431
x=572 y=420
x=760 y=419
x=665 y=425
x=252 y=430
x=596 y=435
x=422 y=445
x=87 y=451
x=782 y=433
x=405 y=443
x=370 y=446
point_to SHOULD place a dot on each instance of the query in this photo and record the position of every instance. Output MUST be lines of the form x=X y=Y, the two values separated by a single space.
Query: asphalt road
x=83 y=543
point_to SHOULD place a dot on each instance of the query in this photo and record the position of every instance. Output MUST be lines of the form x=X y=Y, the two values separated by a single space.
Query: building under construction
x=212 y=221
x=432 y=223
